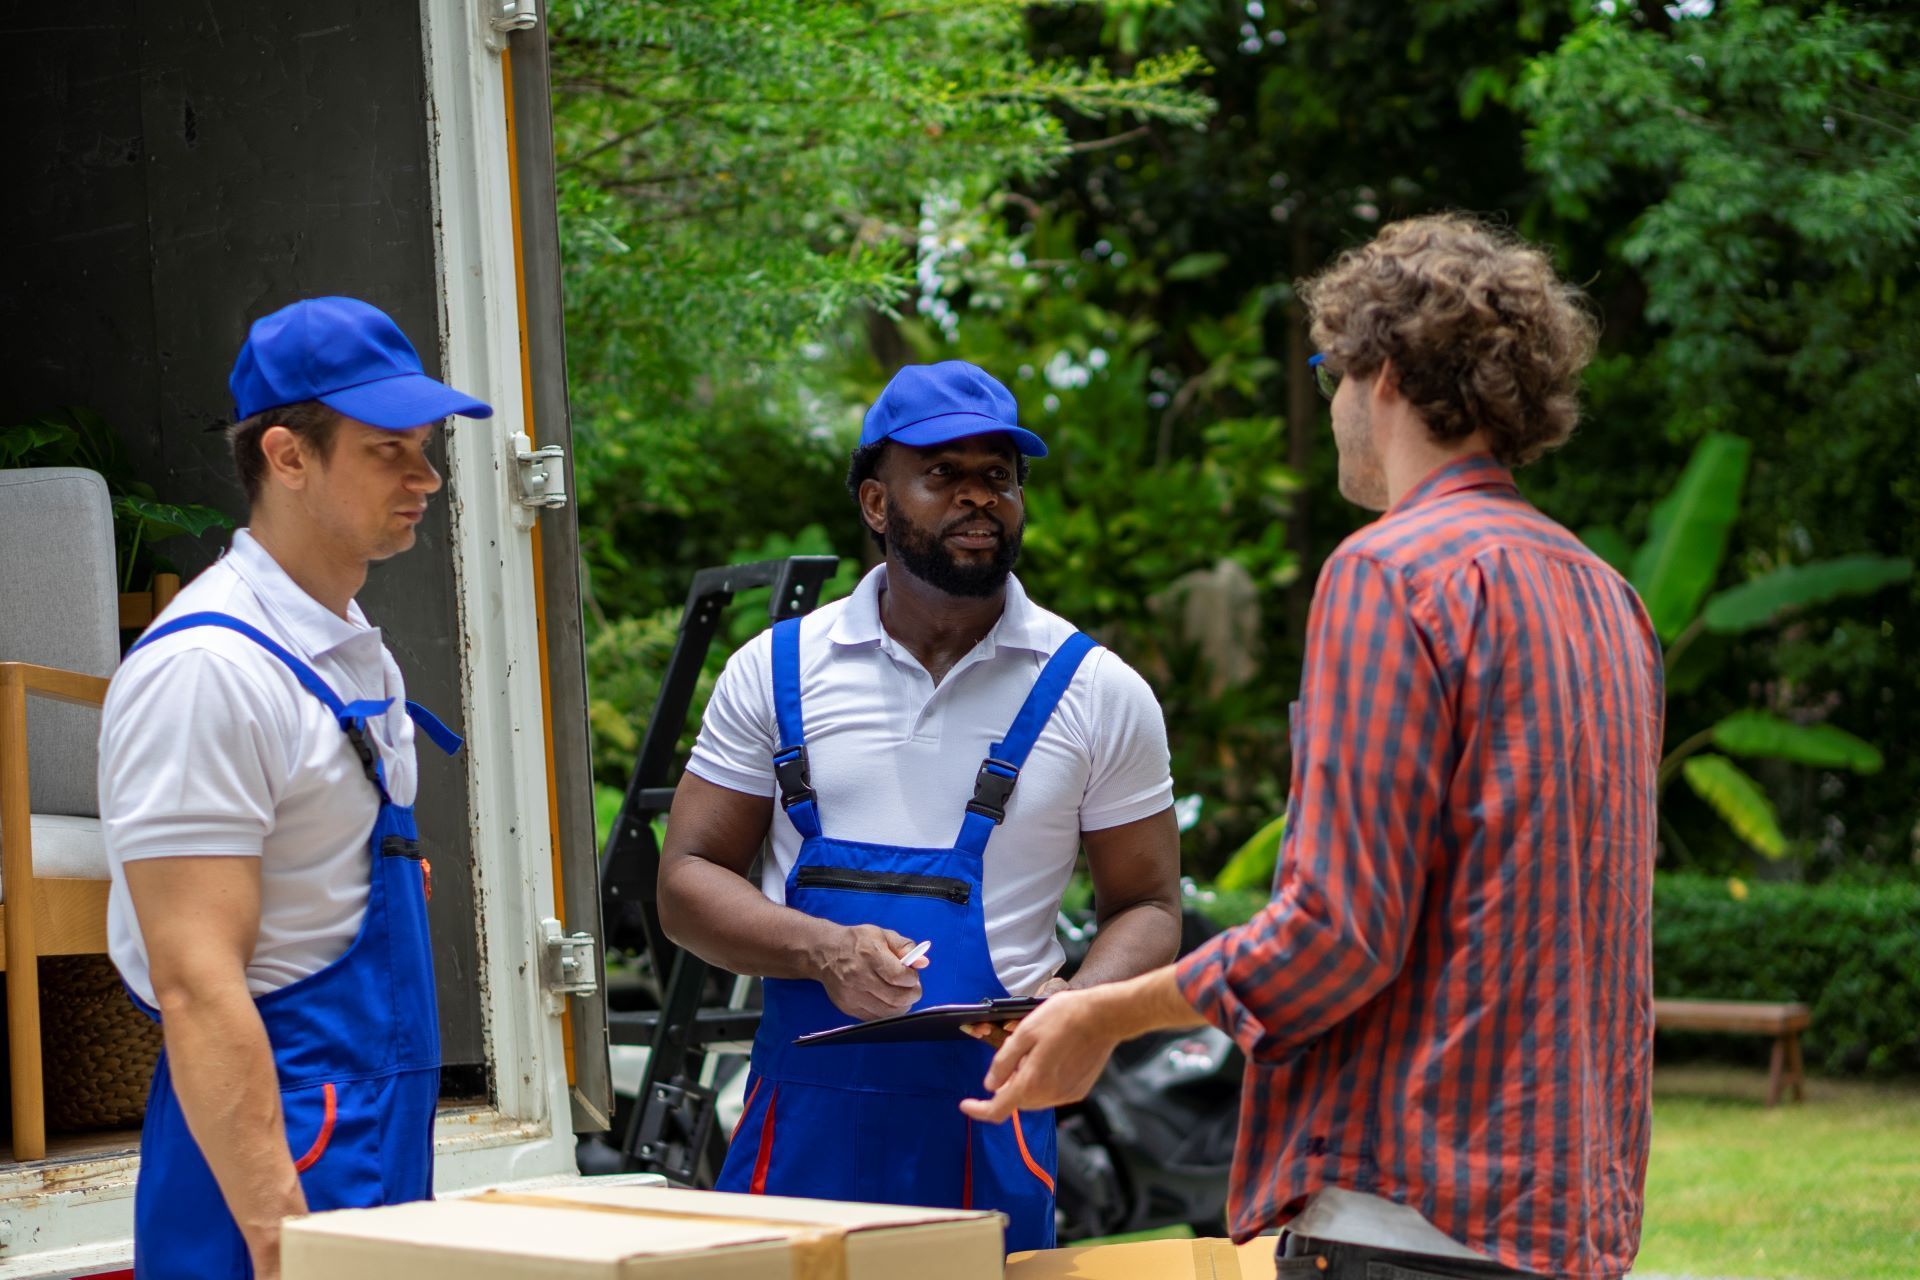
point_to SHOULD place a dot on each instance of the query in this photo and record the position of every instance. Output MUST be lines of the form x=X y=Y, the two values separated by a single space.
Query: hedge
x=1849 y=952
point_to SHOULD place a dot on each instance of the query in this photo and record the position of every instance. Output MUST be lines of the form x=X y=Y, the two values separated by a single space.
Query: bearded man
x=880 y=740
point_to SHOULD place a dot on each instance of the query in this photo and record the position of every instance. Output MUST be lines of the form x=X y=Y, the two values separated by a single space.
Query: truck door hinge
x=504 y=17
x=569 y=965
x=540 y=478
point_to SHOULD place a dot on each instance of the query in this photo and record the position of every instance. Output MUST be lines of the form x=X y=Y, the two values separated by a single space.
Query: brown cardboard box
x=645 y=1233
x=1150 y=1260
x=1145 y=1260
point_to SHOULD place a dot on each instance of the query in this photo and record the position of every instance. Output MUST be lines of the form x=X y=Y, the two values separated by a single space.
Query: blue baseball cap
x=929 y=404
x=348 y=355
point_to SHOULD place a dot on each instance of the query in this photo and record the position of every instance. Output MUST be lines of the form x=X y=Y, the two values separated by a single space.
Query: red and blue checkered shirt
x=1449 y=1001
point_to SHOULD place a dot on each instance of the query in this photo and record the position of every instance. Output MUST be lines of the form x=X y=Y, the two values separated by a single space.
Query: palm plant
x=1674 y=571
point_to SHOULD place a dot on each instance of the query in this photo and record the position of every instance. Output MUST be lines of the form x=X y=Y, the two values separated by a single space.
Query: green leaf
x=20 y=444
x=1252 y=864
x=161 y=520
x=1689 y=531
x=1610 y=545
x=1739 y=800
x=1196 y=266
x=1824 y=746
x=1771 y=596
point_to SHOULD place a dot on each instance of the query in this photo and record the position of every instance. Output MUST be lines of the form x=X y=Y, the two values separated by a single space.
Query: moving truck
x=179 y=169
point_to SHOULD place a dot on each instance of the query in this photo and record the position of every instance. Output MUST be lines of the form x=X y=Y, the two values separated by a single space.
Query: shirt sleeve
x=191 y=761
x=735 y=745
x=1372 y=757
x=1132 y=775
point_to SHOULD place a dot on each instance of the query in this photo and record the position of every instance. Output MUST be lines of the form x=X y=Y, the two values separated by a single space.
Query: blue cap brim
x=404 y=402
x=958 y=426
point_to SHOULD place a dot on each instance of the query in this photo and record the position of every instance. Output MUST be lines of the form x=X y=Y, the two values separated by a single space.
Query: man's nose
x=975 y=491
x=426 y=479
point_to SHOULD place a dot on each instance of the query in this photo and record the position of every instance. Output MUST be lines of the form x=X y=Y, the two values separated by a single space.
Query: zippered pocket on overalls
x=948 y=888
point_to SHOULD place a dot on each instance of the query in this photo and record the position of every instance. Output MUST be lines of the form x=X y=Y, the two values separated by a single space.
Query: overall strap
x=790 y=757
x=437 y=733
x=352 y=716
x=993 y=786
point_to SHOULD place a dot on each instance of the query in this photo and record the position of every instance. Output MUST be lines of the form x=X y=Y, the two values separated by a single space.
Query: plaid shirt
x=1449 y=1001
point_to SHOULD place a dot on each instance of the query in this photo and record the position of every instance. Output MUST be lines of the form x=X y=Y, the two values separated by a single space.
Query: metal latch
x=570 y=967
x=540 y=477
x=504 y=17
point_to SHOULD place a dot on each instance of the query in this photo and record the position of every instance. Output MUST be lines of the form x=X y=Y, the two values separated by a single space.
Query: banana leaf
x=1252 y=864
x=1738 y=800
x=1824 y=746
x=1771 y=596
x=1687 y=536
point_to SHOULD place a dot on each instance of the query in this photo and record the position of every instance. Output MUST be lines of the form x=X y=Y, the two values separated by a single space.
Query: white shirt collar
x=317 y=629
x=1019 y=626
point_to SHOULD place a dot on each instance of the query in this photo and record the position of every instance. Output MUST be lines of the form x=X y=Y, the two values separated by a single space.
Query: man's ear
x=288 y=461
x=1386 y=385
x=873 y=504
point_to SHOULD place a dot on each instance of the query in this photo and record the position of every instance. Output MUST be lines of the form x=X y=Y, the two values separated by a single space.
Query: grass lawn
x=1825 y=1188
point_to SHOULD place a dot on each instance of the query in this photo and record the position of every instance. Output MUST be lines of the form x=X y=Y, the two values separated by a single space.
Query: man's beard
x=926 y=556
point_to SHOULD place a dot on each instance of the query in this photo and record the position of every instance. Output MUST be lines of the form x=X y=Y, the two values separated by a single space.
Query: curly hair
x=1481 y=332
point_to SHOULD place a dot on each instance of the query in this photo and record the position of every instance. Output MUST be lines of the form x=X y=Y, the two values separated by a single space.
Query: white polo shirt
x=210 y=747
x=893 y=756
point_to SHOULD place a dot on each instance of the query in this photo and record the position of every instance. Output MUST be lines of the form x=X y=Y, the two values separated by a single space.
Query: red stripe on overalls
x=758 y=1187
x=1033 y=1166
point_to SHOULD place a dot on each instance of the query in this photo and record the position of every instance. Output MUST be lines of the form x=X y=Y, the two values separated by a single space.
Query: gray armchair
x=59 y=642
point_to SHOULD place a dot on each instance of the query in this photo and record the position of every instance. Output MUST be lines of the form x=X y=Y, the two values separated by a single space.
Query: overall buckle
x=992 y=786
x=795 y=779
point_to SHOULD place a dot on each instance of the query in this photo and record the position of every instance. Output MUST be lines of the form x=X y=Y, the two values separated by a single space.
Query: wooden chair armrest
x=54 y=683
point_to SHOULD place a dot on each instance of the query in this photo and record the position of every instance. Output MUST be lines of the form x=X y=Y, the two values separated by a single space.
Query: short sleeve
x=735 y=746
x=191 y=760
x=1132 y=776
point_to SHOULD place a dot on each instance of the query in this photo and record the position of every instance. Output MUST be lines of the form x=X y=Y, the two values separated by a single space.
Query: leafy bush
x=1850 y=952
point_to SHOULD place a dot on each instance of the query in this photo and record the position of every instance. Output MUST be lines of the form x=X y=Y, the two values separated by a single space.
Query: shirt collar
x=1020 y=625
x=1475 y=471
x=314 y=628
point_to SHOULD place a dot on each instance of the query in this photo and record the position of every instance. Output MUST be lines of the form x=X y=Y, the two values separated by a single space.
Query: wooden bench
x=1784 y=1022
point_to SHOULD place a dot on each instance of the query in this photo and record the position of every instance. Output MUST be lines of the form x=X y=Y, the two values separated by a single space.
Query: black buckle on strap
x=795 y=779
x=992 y=788
x=357 y=735
x=398 y=846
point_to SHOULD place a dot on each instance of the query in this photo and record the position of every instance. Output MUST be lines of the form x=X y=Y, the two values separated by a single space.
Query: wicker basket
x=98 y=1050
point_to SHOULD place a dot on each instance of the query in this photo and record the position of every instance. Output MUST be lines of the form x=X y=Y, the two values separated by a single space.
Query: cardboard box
x=1150 y=1260
x=649 y=1233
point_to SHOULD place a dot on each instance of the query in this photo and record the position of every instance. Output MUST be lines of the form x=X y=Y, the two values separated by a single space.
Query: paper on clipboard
x=935 y=1022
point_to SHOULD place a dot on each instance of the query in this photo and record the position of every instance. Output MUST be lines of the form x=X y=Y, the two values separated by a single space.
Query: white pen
x=918 y=949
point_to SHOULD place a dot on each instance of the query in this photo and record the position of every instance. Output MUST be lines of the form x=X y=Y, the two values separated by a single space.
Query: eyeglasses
x=1323 y=376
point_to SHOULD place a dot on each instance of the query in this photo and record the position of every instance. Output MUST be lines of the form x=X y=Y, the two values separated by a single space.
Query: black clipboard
x=935 y=1022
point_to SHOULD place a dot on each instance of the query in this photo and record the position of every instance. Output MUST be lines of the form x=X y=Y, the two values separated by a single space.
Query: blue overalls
x=882 y=1123
x=356 y=1045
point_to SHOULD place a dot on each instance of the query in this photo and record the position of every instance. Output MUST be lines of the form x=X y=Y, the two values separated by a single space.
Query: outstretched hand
x=1052 y=1056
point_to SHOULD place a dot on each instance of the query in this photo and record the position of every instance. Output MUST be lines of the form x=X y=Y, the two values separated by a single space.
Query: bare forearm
x=1130 y=942
x=1134 y=1006
x=223 y=1076
x=726 y=921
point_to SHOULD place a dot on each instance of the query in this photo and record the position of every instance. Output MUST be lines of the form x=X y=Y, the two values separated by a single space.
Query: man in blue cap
x=879 y=741
x=257 y=777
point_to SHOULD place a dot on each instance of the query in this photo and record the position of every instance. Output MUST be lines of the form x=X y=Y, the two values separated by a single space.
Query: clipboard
x=935 y=1022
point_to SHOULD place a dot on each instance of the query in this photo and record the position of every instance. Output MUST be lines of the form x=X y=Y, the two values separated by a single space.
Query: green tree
x=738 y=178
x=1740 y=183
